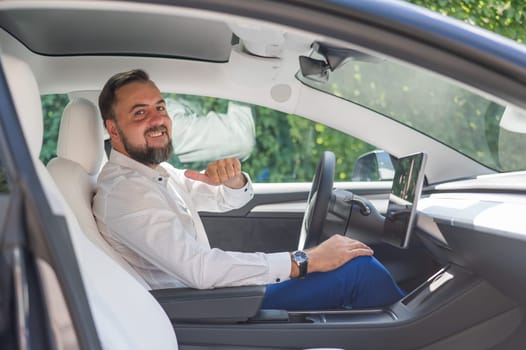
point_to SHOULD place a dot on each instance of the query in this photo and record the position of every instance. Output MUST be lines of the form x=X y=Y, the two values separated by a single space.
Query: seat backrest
x=80 y=155
x=126 y=315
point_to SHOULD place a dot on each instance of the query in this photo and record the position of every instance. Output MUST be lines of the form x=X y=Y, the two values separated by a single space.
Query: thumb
x=197 y=176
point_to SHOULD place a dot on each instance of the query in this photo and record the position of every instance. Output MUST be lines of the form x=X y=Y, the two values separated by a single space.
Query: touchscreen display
x=405 y=192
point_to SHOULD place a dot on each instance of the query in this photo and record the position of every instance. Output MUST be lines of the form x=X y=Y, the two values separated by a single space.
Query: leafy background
x=288 y=147
x=503 y=17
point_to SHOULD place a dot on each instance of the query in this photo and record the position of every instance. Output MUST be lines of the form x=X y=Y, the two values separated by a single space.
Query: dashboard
x=478 y=224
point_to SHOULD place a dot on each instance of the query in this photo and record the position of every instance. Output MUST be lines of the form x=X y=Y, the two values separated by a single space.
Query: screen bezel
x=398 y=233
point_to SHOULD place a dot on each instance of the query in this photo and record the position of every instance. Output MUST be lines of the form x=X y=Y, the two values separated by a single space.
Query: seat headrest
x=81 y=136
x=26 y=97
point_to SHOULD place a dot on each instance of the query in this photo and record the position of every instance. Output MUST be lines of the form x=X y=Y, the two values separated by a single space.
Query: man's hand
x=221 y=172
x=333 y=253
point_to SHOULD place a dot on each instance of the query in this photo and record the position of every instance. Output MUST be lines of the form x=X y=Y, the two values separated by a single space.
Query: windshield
x=438 y=107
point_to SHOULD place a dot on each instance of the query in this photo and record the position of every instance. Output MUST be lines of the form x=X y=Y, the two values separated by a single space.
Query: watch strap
x=302 y=261
x=303 y=268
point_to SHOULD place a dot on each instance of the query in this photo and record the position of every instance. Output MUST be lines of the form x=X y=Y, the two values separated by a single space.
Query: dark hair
x=107 y=95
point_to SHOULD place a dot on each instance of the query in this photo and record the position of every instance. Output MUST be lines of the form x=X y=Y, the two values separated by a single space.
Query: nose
x=156 y=117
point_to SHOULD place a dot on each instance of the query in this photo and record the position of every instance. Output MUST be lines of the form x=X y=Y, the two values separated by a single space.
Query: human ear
x=111 y=126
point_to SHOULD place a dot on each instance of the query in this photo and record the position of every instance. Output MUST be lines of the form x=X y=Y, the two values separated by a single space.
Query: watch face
x=300 y=256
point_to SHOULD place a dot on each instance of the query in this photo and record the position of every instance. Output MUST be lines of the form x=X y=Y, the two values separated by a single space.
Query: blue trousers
x=360 y=283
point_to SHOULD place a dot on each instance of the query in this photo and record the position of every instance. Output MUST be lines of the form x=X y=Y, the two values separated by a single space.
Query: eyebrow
x=145 y=105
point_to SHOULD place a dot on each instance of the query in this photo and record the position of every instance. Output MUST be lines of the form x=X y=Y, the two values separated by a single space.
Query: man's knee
x=368 y=267
x=364 y=262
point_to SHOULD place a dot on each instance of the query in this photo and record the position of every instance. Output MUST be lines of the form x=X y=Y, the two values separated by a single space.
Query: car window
x=466 y=120
x=52 y=107
x=273 y=146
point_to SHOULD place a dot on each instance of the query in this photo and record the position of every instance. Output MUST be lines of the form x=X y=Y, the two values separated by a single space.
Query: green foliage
x=505 y=17
x=445 y=111
x=52 y=107
x=288 y=147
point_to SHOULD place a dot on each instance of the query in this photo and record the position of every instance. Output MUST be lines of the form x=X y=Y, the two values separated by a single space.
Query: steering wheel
x=317 y=202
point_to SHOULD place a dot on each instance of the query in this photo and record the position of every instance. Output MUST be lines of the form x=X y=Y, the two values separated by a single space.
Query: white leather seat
x=80 y=156
x=126 y=315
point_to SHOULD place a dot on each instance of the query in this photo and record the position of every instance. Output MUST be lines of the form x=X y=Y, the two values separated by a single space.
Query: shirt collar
x=158 y=175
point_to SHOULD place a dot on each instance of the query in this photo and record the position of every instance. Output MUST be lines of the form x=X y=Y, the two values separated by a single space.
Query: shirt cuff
x=279 y=266
x=242 y=192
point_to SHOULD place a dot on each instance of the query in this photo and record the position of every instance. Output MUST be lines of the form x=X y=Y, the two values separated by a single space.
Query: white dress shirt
x=150 y=216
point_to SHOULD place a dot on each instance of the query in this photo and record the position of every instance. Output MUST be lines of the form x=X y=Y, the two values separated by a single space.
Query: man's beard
x=145 y=154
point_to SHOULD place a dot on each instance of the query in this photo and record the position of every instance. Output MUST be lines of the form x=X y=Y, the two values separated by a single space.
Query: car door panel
x=257 y=226
x=271 y=222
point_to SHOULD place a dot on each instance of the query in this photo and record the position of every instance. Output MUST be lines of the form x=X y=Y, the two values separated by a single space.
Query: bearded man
x=148 y=212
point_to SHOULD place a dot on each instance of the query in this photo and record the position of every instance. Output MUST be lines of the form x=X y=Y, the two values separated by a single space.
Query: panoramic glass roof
x=106 y=32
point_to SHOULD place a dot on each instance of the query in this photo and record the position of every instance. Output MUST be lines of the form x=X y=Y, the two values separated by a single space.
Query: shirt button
x=278 y=280
x=160 y=178
x=246 y=189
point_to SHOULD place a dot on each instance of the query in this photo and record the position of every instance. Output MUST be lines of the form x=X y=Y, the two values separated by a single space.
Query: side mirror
x=511 y=139
x=514 y=120
x=373 y=166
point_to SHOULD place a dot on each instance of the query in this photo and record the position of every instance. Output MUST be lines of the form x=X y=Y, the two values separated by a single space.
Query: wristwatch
x=302 y=260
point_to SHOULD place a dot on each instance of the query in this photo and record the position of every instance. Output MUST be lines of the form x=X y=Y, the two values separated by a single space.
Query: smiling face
x=142 y=128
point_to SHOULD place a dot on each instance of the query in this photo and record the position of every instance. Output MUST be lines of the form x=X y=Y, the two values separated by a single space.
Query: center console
x=231 y=316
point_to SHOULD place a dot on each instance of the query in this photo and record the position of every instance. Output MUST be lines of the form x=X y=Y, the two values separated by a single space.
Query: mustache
x=159 y=128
